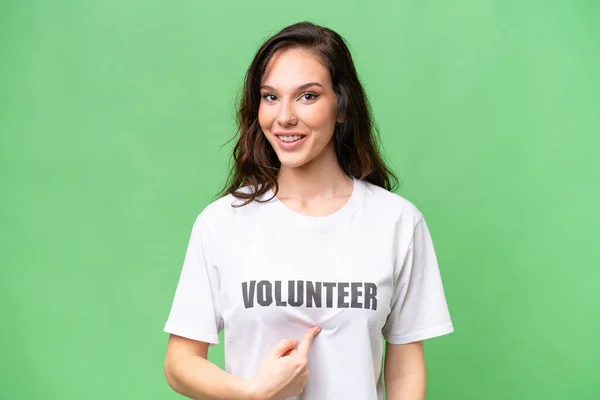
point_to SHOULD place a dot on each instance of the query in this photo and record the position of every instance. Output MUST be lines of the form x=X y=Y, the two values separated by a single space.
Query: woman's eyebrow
x=301 y=87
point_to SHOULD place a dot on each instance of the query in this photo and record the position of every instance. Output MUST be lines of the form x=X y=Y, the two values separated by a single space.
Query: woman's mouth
x=290 y=142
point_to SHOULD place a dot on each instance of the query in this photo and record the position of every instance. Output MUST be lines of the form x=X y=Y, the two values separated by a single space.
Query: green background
x=114 y=118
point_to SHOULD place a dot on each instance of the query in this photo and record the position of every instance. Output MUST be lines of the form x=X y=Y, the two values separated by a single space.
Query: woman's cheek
x=320 y=119
x=265 y=116
x=313 y=117
x=262 y=121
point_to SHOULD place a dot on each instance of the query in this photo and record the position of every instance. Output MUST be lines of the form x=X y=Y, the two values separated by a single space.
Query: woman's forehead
x=291 y=68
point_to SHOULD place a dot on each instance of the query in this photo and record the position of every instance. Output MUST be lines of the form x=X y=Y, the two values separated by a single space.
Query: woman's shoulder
x=220 y=210
x=385 y=201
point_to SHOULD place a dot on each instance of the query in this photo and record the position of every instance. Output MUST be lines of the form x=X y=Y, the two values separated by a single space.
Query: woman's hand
x=283 y=372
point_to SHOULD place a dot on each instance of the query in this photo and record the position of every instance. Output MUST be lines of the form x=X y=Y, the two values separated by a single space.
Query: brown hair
x=255 y=162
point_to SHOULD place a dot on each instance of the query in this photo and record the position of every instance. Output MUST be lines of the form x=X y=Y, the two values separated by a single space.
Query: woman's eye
x=314 y=96
x=306 y=96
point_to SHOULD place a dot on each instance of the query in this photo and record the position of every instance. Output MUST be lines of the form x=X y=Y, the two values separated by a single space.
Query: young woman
x=307 y=259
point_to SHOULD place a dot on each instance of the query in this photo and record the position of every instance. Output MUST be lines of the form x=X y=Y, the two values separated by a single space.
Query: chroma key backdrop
x=115 y=121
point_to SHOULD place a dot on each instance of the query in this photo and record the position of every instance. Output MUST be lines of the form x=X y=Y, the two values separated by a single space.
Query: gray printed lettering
x=278 y=301
x=299 y=294
x=370 y=296
x=329 y=293
x=248 y=295
x=264 y=293
x=354 y=293
x=310 y=294
x=313 y=293
x=342 y=293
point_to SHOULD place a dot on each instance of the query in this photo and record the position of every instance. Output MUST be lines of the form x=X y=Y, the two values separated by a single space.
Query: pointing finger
x=289 y=352
x=304 y=345
x=284 y=346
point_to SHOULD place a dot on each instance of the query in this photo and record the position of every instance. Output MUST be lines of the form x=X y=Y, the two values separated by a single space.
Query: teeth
x=290 y=138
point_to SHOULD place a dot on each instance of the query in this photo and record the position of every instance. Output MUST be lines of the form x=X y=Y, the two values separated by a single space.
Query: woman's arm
x=404 y=371
x=282 y=373
x=189 y=373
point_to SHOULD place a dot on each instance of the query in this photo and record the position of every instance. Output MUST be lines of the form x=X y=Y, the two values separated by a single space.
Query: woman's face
x=298 y=107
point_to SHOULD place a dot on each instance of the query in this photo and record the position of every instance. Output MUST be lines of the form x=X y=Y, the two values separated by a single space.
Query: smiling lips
x=290 y=138
x=290 y=141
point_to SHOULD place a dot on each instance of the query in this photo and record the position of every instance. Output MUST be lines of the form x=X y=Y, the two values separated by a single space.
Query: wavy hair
x=255 y=163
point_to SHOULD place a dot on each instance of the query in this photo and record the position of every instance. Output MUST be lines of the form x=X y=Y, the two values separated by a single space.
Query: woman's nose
x=286 y=115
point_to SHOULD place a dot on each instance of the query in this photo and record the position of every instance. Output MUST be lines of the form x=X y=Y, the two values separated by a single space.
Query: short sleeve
x=195 y=310
x=419 y=309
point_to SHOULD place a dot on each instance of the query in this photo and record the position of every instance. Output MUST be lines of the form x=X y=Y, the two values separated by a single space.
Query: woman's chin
x=293 y=162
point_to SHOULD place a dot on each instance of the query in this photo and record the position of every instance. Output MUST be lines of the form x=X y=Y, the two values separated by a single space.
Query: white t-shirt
x=263 y=272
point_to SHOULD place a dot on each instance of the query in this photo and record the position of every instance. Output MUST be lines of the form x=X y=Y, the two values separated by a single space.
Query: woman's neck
x=320 y=179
